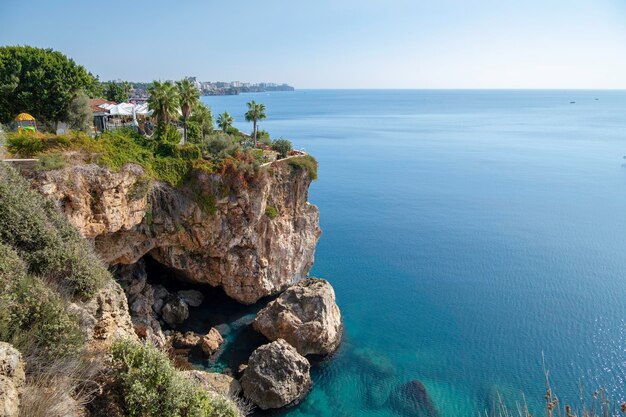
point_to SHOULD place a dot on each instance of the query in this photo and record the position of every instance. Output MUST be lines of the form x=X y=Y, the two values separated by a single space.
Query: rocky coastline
x=207 y=233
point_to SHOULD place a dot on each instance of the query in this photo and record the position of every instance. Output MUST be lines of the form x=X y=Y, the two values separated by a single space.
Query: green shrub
x=263 y=136
x=26 y=144
x=50 y=162
x=41 y=235
x=282 y=146
x=188 y=151
x=206 y=202
x=194 y=133
x=150 y=386
x=306 y=162
x=167 y=133
x=271 y=212
x=173 y=170
x=139 y=189
x=165 y=149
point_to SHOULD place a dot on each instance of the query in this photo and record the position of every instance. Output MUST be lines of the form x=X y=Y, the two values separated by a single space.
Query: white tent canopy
x=127 y=109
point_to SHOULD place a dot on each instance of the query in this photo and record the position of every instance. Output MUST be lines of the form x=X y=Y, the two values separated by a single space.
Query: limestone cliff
x=252 y=240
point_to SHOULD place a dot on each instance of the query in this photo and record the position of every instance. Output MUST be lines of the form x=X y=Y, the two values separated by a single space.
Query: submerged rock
x=376 y=363
x=412 y=400
x=11 y=380
x=175 y=311
x=276 y=376
x=306 y=316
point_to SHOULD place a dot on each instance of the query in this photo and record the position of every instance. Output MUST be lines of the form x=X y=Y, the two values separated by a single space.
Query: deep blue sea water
x=465 y=233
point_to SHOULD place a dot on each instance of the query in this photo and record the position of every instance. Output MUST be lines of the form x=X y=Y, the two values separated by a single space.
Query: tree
x=79 y=116
x=42 y=82
x=163 y=101
x=117 y=92
x=256 y=112
x=282 y=146
x=188 y=96
x=224 y=121
x=202 y=115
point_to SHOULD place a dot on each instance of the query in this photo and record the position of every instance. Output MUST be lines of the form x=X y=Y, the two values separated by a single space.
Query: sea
x=476 y=241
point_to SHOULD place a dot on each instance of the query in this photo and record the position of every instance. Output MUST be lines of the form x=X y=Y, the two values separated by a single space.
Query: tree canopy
x=42 y=82
x=164 y=100
x=117 y=92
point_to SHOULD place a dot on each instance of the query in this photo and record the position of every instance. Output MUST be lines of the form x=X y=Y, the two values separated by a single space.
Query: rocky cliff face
x=206 y=231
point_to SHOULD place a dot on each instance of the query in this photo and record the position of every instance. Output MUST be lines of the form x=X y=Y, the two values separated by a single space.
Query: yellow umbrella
x=22 y=117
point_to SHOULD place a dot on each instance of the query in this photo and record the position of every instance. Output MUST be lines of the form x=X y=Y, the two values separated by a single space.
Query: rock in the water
x=412 y=400
x=11 y=380
x=276 y=376
x=219 y=383
x=305 y=315
x=187 y=340
x=211 y=342
x=175 y=312
x=193 y=298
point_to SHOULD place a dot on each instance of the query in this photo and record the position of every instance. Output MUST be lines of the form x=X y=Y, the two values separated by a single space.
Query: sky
x=336 y=44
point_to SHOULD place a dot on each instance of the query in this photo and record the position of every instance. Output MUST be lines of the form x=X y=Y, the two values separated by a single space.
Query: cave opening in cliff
x=232 y=319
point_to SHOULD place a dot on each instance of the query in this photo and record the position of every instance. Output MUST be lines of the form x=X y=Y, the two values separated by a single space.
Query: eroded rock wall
x=207 y=231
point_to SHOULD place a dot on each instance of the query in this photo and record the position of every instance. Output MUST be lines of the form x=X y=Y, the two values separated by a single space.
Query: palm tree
x=224 y=121
x=256 y=112
x=163 y=101
x=202 y=115
x=188 y=97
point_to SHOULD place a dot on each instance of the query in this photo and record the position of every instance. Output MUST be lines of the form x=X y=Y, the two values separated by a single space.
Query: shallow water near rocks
x=465 y=233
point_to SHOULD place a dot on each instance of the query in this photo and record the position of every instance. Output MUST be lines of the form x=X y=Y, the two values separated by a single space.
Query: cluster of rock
x=209 y=344
x=303 y=320
x=150 y=305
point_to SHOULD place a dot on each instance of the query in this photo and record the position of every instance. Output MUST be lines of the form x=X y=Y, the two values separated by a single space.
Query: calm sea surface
x=465 y=233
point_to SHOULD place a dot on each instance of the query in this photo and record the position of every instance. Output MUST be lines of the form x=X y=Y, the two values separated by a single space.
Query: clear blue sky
x=336 y=43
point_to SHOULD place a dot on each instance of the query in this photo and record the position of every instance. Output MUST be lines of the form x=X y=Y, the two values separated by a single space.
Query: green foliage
x=50 y=162
x=306 y=162
x=164 y=101
x=194 y=133
x=219 y=144
x=202 y=116
x=225 y=122
x=151 y=387
x=188 y=151
x=263 y=136
x=41 y=82
x=117 y=92
x=271 y=212
x=256 y=112
x=282 y=146
x=172 y=170
x=32 y=314
x=116 y=149
x=206 y=202
x=167 y=133
x=79 y=116
x=26 y=145
x=50 y=247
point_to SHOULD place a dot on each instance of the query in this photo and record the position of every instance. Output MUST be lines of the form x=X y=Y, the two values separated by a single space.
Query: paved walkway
x=284 y=159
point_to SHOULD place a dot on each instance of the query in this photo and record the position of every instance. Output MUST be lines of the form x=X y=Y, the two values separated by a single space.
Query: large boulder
x=175 y=311
x=11 y=380
x=305 y=315
x=412 y=400
x=276 y=376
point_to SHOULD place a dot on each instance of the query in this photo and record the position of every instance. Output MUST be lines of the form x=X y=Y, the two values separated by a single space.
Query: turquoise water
x=465 y=233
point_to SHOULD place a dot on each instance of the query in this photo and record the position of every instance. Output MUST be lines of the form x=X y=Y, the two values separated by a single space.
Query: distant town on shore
x=139 y=90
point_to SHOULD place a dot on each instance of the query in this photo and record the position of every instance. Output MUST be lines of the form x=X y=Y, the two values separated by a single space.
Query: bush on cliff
x=150 y=386
x=305 y=162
